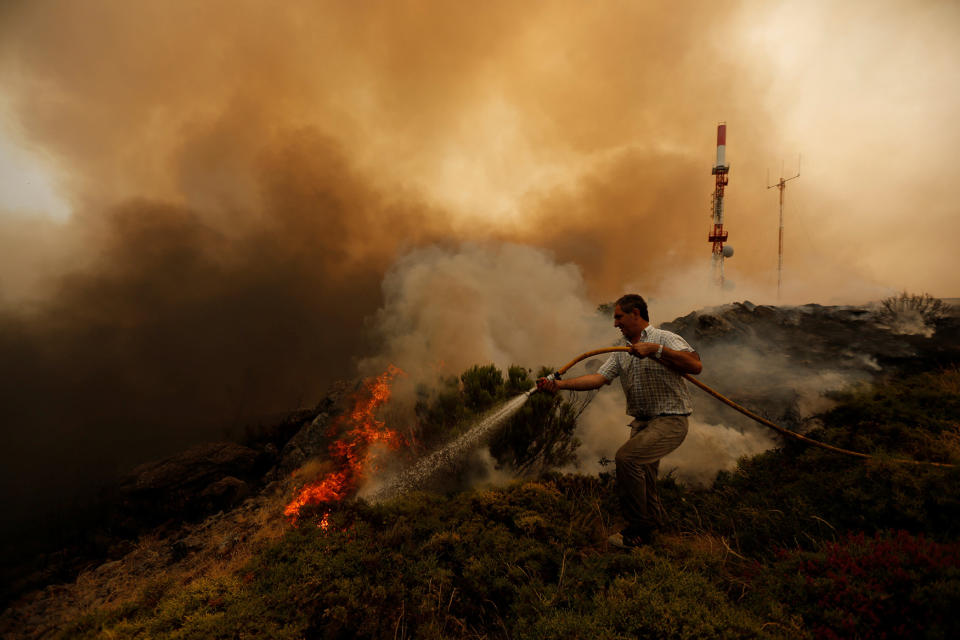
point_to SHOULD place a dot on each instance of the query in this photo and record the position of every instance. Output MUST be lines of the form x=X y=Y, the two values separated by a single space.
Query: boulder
x=225 y=493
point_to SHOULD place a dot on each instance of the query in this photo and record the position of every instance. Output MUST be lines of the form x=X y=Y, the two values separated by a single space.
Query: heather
x=796 y=542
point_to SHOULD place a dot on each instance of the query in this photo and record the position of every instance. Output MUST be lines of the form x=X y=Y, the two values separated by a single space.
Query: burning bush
x=352 y=450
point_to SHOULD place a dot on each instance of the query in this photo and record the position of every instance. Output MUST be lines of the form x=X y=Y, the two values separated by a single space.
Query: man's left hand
x=644 y=349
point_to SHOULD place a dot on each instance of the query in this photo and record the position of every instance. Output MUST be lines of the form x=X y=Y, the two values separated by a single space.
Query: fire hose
x=750 y=414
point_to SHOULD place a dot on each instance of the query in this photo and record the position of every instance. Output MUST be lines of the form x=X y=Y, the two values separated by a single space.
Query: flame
x=351 y=453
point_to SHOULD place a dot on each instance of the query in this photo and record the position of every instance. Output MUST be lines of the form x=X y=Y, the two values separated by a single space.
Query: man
x=658 y=400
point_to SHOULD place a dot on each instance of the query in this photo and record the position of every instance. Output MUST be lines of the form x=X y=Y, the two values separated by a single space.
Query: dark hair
x=631 y=302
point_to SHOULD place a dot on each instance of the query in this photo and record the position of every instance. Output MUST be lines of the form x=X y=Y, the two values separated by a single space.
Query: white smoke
x=446 y=309
x=683 y=290
x=707 y=449
x=911 y=322
x=711 y=448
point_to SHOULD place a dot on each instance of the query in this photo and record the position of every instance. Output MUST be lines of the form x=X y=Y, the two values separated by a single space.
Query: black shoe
x=630 y=539
x=617 y=540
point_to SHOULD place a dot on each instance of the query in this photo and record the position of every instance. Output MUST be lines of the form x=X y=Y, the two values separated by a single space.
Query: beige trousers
x=638 y=462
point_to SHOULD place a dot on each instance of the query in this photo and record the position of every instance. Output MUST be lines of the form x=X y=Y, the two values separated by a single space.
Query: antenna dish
x=727 y=251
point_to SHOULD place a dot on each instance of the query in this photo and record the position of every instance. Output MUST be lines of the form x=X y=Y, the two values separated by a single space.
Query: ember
x=351 y=454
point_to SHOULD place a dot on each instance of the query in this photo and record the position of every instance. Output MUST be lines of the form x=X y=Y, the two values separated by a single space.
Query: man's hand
x=680 y=361
x=644 y=349
x=547 y=384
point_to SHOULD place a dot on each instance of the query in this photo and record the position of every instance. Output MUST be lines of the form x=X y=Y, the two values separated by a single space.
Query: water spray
x=450 y=454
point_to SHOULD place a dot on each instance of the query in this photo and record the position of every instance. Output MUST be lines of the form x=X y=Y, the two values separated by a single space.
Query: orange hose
x=781 y=430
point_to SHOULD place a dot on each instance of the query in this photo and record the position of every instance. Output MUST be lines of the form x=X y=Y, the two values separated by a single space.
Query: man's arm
x=581 y=383
x=682 y=361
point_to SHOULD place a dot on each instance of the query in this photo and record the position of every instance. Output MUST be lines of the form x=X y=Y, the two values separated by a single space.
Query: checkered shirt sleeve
x=651 y=388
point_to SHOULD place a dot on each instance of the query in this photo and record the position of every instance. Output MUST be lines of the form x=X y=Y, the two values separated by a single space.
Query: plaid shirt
x=651 y=388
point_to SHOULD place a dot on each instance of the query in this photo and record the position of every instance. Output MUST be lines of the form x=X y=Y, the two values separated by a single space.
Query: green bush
x=518 y=380
x=801 y=496
x=439 y=412
x=540 y=432
x=482 y=387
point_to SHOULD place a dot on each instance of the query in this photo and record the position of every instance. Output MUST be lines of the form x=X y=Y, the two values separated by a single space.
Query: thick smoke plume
x=241 y=177
x=177 y=330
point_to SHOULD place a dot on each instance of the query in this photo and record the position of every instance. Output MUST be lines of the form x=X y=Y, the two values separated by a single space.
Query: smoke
x=755 y=370
x=176 y=330
x=446 y=309
x=708 y=448
x=241 y=177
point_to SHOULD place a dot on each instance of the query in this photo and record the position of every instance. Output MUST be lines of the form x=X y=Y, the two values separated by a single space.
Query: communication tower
x=718 y=236
x=781 y=185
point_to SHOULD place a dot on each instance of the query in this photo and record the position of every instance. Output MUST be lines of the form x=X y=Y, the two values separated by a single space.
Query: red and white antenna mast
x=718 y=236
x=781 y=185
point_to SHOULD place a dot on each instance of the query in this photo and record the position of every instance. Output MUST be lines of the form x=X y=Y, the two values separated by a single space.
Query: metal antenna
x=718 y=235
x=781 y=185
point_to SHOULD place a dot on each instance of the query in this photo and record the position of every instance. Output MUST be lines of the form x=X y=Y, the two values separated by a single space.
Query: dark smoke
x=177 y=332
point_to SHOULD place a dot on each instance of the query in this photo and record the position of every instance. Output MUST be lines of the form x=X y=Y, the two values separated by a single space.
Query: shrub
x=894 y=585
x=923 y=305
x=518 y=380
x=801 y=496
x=439 y=412
x=541 y=433
x=482 y=387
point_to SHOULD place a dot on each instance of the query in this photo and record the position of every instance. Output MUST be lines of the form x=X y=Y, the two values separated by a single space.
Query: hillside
x=796 y=542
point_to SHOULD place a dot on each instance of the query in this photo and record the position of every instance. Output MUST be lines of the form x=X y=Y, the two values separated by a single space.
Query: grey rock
x=310 y=441
x=195 y=468
x=208 y=476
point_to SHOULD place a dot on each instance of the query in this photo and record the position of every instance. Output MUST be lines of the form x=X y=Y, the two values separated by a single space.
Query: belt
x=660 y=415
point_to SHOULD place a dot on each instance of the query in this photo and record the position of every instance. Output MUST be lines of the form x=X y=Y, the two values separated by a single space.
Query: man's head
x=632 y=301
x=630 y=316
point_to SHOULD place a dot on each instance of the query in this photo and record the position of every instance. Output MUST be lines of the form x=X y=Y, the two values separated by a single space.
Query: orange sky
x=555 y=124
x=197 y=191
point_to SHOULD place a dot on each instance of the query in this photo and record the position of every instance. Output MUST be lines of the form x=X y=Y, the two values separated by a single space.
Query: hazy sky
x=199 y=200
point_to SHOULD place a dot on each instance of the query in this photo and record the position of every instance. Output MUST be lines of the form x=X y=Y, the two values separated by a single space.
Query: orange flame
x=351 y=452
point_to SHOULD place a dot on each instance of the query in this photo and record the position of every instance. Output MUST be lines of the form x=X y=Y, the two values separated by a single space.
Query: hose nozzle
x=553 y=376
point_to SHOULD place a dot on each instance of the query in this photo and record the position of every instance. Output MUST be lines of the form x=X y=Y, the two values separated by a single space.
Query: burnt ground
x=782 y=361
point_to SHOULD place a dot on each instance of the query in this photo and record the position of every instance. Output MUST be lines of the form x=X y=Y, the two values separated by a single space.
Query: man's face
x=630 y=324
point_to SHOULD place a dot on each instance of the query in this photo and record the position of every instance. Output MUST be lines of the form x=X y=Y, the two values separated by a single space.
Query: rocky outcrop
x=817 y=335
x=163 y=496
x=311 y=441
x=784 y=362
x=208 y=476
